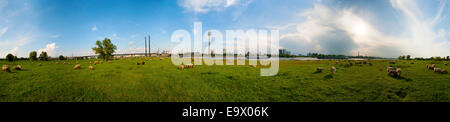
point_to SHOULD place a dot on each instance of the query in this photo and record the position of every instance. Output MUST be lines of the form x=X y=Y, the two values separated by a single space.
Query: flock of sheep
x=437 y=70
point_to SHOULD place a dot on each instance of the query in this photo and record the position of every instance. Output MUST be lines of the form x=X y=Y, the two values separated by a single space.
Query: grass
x=160 y=80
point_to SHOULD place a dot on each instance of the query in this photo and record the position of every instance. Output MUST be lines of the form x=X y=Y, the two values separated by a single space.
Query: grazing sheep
x=57 y=63
x=39 y=64
x=391 y=70
x=370 y=63
x=189 y=66
x=333 y=70
x=101 y=62
x=319 y=69
x=437 y=70
x=398 y=72
x=431 y=67
x=95 y=62
x=181 y=67
x=364 y=62
x=350 y=63
x=69 y=63
x=64 y=62
x=5 y=68
x=143 y=63
x=358 y=62
x=391 y=62
x=109 y=61
x=161 y=58
x=91 y=67
x=78 y=66
x=90 y=62
x=18 y=67
x=138 y=63
x=443 y=71
x=446 y=64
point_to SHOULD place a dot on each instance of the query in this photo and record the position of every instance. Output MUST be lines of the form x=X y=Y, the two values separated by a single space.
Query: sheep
x=18 y=67
x=443 y=71
x=431 y=67
x=333 y=70
x=437 y=70
x=161 y=58
x=364 y=62
x=101 y=62
x=39 y=64
x=370 y=63
x=337 y=62
x=181 y=67
x=138 y=63
x=398 y=72
x=391 y=62
x=391 y=70
x=109 y=61
x=95 y=62
x=319 y=69
x=350 y=63
x=78 y=66
x=446 y=64
x=143 y=63
x=6 y=68
x=91 y=67
x=189 y=66
x=64 y=62
x=57 y=63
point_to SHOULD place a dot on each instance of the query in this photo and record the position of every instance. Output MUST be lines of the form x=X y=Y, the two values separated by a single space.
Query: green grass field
x=158 y=80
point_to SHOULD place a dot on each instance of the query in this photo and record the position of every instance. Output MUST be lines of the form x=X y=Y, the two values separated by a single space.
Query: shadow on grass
x=402 y=78
x=328 y=77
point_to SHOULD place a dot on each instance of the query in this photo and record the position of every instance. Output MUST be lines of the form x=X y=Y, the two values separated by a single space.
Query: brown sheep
x=333 y=70
x=5 y=68
x=18 y=67
x=181 y=67
x=91 y=67
x=443 y=71
x=161 y=58
x=319 y=69
x=412 y=63
x=138 y=63
x=398 y=72
x=189 y=66
x=143 y=63
x=109 y=61
x=39 y=64
x=437 y=70
x=391 y=70
x=77 y=66
x=57 y=63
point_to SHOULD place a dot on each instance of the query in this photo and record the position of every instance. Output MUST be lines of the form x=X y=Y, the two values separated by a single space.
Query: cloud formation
x=345 y=31
x=50 y=49
x=204 y=6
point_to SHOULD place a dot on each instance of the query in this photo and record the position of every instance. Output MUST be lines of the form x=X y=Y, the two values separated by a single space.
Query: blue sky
x=385 y=28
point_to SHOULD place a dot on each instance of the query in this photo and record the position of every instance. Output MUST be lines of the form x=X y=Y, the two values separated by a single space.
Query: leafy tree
x=408 y=57
x=43 y=56
x=33 y=56
x=448 y=57
x=104 y=48
x=10 y=57
x=61 y=57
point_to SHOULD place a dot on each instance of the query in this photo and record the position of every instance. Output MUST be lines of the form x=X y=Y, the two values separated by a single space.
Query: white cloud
x=131 y=43
x=14 y=51
x=54 y=36
x=344 y=31
x=94 y=28
x=203 y=6
x=50 y=49
x=3 y=31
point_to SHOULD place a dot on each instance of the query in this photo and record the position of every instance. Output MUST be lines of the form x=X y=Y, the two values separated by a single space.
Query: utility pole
x=145 y=46
x=149 y=49
x=209 y=36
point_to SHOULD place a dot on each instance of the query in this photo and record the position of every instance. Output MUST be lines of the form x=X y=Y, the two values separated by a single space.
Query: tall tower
x=145 y=47
x=149 y=46
x=209 y=36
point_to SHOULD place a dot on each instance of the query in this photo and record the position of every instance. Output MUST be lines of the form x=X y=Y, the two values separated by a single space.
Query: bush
x=61 y=57
x=43 y=56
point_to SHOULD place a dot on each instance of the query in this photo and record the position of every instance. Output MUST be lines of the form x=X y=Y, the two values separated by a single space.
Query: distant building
x=283 y=52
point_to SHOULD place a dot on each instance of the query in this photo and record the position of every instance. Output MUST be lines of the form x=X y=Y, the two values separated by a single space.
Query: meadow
x=161 y=81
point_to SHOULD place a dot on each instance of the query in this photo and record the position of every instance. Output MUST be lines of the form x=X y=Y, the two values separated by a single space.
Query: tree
x=448 y=57
x=33 y=56
x=10 y=57
x=43 y=56
x=408 y=57
x=61 y=57
x=104 y=48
